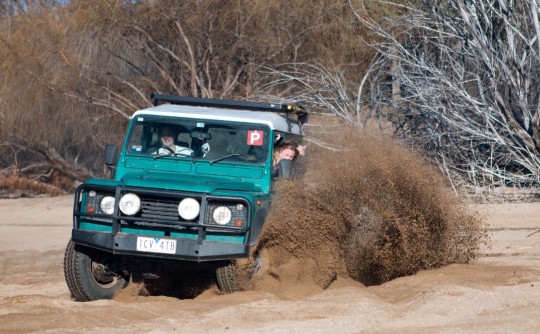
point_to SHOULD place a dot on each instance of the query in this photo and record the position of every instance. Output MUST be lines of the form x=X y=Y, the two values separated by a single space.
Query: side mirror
x=111 y=152
x=285 y=167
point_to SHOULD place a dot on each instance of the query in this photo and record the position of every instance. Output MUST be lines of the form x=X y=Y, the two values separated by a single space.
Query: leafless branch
x=468 y=85
x=319 y=87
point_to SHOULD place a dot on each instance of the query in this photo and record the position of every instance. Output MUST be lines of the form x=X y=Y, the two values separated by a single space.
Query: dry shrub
x=72 y=72
x=373 y=212
x=13 y=183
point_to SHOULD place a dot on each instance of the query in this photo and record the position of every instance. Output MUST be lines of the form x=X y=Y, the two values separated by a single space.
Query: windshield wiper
x=176 y=154
x=224 y=157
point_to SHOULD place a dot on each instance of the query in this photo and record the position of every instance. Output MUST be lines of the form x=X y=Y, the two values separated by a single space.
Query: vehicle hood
x=189 y=182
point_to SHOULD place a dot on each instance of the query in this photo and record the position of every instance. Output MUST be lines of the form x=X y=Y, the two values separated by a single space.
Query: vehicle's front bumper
x=186 y=249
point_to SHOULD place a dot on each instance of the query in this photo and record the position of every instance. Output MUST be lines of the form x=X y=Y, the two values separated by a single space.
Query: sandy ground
x=500 y=293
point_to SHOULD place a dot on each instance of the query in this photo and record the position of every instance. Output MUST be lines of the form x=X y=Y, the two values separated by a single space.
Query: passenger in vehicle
x=284 y=153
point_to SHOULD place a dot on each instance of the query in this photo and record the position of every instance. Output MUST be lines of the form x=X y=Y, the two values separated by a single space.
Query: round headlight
x=189 y=208
x=107 y=205
x=222 y=215
x=130 y=204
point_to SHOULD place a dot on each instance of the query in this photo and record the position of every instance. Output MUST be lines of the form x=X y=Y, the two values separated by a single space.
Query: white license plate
x=156 y=245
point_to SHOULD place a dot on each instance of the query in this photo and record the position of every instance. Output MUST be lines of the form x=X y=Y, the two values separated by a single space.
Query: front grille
x=159 y=212
x=156 y=209
x=159 y=209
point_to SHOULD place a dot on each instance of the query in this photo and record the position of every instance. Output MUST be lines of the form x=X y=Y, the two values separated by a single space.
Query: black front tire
x=235 y=276
x=87 y=276
x=227 y=278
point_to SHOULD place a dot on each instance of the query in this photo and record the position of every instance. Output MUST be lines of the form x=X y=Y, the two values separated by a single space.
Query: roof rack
x=301 y=112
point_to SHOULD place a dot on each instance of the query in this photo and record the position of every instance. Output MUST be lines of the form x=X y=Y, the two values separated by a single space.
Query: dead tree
x=191 y=48
x=318 y=86
x=468 y=73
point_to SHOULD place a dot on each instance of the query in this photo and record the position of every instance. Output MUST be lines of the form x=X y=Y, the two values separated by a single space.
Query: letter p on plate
x=255 y=138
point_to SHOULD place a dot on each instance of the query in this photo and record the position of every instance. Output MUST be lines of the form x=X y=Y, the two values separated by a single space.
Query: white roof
x=274 y=120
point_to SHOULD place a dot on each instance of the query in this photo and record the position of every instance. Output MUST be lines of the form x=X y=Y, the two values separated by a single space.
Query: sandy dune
x=500 y=293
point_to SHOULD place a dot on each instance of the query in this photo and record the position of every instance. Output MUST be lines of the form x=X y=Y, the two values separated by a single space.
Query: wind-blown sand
x=499 y=293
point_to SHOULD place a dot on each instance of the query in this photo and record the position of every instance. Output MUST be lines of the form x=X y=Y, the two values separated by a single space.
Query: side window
x=287 y=161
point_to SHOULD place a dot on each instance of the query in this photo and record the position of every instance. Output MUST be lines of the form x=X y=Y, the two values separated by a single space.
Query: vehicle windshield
x=217 y=141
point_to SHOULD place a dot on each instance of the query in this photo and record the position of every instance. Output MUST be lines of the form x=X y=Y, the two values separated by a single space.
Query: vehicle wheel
x=237 y=275
x=87 y=275
x=227 y=278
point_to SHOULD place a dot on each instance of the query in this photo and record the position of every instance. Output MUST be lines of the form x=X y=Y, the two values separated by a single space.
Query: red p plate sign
x=255 y=138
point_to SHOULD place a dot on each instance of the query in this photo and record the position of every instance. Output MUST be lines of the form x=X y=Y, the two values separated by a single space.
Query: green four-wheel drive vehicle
x=197 y=204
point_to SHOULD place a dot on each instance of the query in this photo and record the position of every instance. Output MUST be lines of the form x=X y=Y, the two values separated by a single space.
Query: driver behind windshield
x=167 y=136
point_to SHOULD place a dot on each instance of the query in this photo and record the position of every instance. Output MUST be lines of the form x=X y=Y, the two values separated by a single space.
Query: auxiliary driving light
x=130 y=204
x=189 y=208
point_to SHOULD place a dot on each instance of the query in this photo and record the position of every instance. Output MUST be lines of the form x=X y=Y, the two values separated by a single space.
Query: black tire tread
x=72 y=275
x=227 y=278
x=81 y=286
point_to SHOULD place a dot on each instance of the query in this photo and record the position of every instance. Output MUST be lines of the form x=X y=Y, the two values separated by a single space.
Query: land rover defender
x=199 y=205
